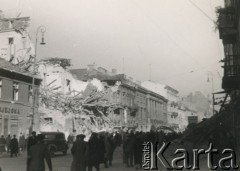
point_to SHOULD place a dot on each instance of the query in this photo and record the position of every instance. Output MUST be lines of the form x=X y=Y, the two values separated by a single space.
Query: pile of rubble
x=217 y=129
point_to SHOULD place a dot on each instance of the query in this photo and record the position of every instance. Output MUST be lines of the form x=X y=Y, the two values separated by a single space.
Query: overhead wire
x=203 y=12
x=201 y=67
x=168 y=36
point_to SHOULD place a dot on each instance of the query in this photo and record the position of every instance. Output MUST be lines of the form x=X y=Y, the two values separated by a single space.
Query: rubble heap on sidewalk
x=217 y=128
x=69 y=104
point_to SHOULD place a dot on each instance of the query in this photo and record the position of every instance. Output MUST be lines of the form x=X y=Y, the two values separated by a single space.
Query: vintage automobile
x=56 y=142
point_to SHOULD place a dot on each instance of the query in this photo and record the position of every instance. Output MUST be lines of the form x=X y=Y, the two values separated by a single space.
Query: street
x=63 y=163
x=60 y=162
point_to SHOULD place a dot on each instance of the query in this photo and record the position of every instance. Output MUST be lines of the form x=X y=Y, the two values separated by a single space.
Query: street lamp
x=42 y=29
x=208 y=80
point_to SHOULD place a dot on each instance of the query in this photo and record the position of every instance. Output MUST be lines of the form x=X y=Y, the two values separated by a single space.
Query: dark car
x=56 y=142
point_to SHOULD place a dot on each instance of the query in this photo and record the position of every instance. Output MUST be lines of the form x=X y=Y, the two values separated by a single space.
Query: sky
x=174 y=42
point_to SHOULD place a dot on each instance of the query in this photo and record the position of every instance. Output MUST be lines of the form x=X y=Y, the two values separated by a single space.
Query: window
x=30 y=94
x=15 y=91
x=10 y=40
x=48 y=120
x=12 y=48
x=0 y=88
x=68 y=85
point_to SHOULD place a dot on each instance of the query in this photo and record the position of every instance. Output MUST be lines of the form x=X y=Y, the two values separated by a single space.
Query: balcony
x=230 y=3
x=231 y=79
x=231 y=82
x=227 y=25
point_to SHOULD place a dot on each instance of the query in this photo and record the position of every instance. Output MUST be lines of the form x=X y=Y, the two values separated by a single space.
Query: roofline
x=170 y=88
x=16 y=18
x=28 y=75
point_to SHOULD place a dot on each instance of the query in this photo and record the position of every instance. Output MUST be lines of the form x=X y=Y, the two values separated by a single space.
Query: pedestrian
x=79 y=152
x=109 y=145
x=21 y=142
x=117 y=139
x=2 y=144
x=14 y=146
x=102 y=150
x=129 y=149
x=31 y=140
x=138 y=150
x=93 y=152
x=36 y=155
x=124 y=140
x=8 y=141
x=70 y=140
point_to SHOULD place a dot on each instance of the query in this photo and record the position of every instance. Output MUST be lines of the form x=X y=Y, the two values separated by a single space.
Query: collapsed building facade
x=54 y=89
x=16 y=88
x=142 y=108
x=69 y=104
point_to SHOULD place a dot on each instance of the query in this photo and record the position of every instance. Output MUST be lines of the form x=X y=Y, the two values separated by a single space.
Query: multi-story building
x=178 y=114
x=16 y=99
x=16 y=83
x=15 y=44
x=142 y=108
x=172 y=96
x=229 y=30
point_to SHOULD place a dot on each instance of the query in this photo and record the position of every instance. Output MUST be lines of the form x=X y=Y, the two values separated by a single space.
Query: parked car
x=56 y=142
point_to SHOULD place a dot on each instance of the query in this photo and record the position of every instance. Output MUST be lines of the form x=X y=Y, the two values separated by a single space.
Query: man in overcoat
x=36 y=155
x=79 y=151
x=14 y=146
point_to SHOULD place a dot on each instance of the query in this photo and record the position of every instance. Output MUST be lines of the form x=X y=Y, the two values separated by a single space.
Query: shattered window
x=10 y=40
x=15 y=91
x=49 y=120
x=30 y=94
x=68 y=85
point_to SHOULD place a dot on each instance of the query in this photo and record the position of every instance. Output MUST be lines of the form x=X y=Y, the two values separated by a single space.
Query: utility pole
x=213 y=99
x=42 y=29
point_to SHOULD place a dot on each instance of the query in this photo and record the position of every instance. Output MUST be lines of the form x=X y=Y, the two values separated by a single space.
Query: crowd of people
x=86 y=155
x=101 y=146
x=13 y=145
x=98 y=150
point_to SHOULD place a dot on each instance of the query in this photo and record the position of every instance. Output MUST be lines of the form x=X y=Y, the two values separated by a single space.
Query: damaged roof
x=8 y=66
x=85 y=74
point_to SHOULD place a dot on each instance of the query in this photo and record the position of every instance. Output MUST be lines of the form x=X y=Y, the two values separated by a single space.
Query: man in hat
x=31 y=140
x=2 y=144
x=36 y=155
x=93 y=151
x=14 y=146
x=79 y=150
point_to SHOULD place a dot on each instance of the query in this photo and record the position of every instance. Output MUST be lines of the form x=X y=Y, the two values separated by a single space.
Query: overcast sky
x=176 y=38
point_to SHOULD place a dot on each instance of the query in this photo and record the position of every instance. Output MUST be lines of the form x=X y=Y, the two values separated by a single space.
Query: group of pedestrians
x=98 y=150
x=12 y=145
x=88 y=155
x=133 y=145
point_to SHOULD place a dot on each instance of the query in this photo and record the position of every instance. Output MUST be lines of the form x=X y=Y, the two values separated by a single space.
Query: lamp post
x=208 y=80
x=42 y=29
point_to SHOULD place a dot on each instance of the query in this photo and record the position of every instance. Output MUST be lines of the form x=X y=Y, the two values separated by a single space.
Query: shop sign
x=9 y=110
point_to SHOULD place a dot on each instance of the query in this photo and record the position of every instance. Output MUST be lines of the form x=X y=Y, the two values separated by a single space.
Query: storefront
x=14 y=118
